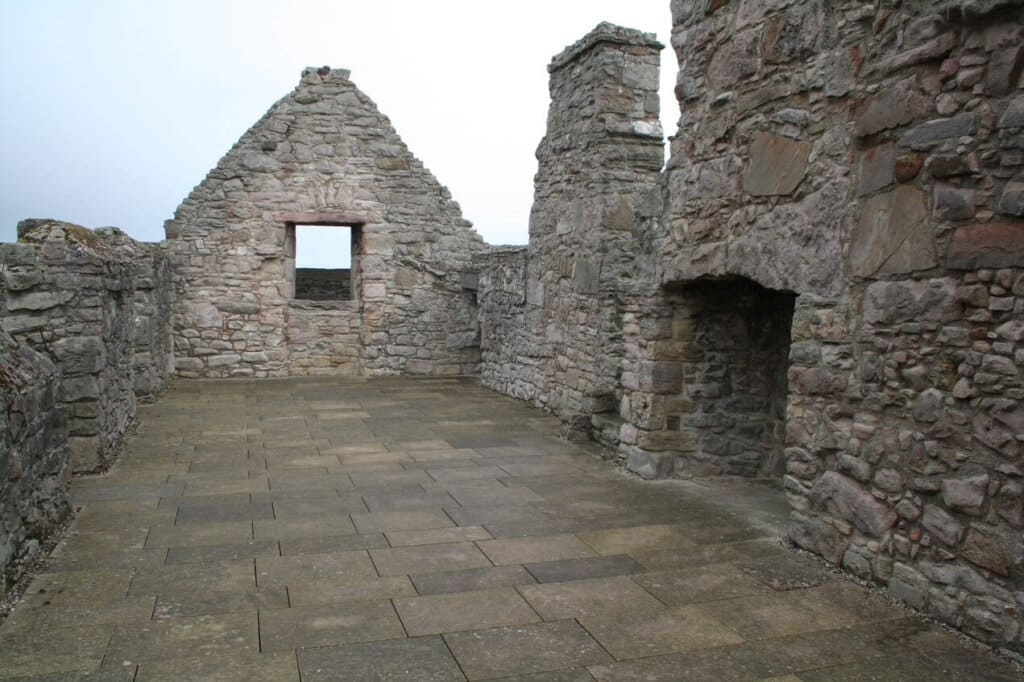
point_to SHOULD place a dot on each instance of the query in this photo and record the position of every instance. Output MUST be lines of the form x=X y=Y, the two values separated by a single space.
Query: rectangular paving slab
x=524 y=649
x=638 y=635
x=328 y=624
x=463 y=611
x=598 y=597
x=420 y=659
x=420 y=519
x=53 y=650
x=265 y=667
x=535 y=549
x=471 y=579
x=167 y=639
x=428 y=558
x=293 y=570
x=581 y=569
x=336 y=591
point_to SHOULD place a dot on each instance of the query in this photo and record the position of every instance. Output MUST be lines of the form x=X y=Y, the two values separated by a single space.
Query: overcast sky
x=111 y=112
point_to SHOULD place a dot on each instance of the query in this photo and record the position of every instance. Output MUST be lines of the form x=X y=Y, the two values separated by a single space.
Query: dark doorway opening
x=731 y=338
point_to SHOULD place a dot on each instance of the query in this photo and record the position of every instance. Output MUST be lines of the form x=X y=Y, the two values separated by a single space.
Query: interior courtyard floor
x=433 y=530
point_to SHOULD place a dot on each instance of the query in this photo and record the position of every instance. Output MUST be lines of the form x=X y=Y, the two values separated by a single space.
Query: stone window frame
x=355 y=223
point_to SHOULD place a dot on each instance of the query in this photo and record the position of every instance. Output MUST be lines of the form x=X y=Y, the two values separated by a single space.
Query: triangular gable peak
x=322 y=155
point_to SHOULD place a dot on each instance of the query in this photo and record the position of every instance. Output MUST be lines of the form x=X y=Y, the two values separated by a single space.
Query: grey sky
x=111 y=111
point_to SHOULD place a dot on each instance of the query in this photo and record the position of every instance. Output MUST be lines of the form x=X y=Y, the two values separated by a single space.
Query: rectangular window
x=324 y=262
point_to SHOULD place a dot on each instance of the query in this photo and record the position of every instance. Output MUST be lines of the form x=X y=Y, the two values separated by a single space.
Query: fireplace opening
x=731 y=338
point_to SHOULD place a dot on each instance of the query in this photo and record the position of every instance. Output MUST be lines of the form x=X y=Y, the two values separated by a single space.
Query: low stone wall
x=34 y=496
x=323 y=284
x=323 y=337
x=97 y=304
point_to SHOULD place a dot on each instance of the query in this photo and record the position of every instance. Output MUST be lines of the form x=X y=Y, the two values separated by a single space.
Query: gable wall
x=323 y=149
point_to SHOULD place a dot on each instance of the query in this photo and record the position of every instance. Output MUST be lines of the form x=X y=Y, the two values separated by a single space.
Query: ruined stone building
x=823 y=286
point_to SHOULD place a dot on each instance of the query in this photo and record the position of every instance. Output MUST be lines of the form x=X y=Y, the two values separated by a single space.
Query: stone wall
x=153 y=359
x=322 y=155
x=511 y=355
x=323 y=284
x=34 y=495
x=603 y=143
x=864 y=157
x=855 y=168
x=97 y=304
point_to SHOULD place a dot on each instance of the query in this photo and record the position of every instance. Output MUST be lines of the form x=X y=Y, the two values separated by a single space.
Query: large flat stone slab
x=328 y=624
x=519 y=650
x=459 y=611
x=471 y=579
x=428 y=558
x=535 y=549
x=420 y=659
x=604 y=597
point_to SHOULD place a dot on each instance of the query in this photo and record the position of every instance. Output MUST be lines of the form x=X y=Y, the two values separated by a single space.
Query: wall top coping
x=605 y=32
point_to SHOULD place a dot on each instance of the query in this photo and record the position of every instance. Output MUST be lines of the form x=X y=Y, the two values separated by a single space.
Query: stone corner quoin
x=824 y=284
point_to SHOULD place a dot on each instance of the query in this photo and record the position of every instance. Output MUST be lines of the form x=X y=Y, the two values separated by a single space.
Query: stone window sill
x=323 y=305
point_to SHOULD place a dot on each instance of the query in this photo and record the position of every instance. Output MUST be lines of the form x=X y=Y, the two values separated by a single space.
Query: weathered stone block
x=1013 y=115
x=1004 y=68
x=460 y=340
x=946 y=166
x=85 y=453
x=928 y=406
x=890 y=108
x=22 y=279
x=928 y=134
x=877 y=168
x=816 y=536
x=416 y=366
x=985 y=548
x=586 y=275
x=965 y=494
x=941 y=524
x=77 y=388
x=650 y=465
x=81 y=354
x=37 y=300
x=1009 y=504
x=225 y=360
x=792 y=35
x=1012 y=200
x=238 y=307
x=892 y=235
x=953 y=203
x=735 y=60
x=666 y=377
x=986 y=245
x=847 y=500
x=891 y=302
x=777 y=164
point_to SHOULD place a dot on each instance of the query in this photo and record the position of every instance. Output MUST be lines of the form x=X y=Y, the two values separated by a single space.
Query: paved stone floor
x=396 y=529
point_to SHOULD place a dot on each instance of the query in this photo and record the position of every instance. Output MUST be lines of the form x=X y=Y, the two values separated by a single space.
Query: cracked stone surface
x=432 y=529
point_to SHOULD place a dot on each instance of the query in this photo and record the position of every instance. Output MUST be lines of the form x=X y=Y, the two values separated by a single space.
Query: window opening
x=324 y=262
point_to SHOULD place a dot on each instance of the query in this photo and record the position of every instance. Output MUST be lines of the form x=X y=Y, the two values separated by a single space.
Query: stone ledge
x=339 y=305
x=322 y=218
